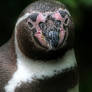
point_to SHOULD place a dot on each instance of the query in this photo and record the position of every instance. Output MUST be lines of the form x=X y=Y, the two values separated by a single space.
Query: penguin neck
x=31 y=70
x=10 y=45
x=68 y=61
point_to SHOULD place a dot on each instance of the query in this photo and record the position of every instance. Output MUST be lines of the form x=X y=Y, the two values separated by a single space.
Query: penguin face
x=48 y=31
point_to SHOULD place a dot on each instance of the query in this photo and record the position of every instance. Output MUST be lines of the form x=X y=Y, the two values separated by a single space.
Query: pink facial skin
x=41 y=39
x=40 y=18
x=39 y=35
x=62 y=35
x=57 y=16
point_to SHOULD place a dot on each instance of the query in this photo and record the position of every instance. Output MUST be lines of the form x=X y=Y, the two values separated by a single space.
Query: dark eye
x=57 y=23
x=42 y=25
x=63 y=13
x=66 y=20
x=30 y=24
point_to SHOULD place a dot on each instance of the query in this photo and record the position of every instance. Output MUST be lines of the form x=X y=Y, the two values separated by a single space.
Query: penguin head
x=44 y=33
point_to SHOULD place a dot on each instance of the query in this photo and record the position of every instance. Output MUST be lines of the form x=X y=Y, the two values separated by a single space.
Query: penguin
x=39 y=57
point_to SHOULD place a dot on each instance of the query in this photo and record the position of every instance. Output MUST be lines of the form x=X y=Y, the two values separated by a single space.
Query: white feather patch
x=22 y=18
x=75 y=89
x=28 y=69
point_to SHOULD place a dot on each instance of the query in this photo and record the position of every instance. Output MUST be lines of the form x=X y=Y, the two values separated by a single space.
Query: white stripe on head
x=22 y=18
x=27 y=14
x=67 y=12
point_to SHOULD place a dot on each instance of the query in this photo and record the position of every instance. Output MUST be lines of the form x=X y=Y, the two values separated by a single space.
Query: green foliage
x=86 y=2
x=70 y=3
x=86 y=85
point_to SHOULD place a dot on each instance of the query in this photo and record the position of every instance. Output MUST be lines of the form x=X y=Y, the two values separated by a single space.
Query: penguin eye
x=42 y=25
x=63 y=13
x=30 y=24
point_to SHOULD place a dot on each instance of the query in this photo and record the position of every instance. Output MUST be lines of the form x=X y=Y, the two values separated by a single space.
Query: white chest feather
x=75 y=89
x=28 y=69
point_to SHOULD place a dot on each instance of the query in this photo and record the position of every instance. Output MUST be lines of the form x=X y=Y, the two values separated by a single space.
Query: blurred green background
x=81 y=11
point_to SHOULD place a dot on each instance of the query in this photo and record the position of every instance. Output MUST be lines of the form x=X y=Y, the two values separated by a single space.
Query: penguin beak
x=52 y=39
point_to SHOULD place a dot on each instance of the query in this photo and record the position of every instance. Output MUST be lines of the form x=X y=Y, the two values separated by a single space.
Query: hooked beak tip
x=53 y=40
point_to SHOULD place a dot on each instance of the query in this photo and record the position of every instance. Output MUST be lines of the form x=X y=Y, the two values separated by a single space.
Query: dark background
x=81 y=11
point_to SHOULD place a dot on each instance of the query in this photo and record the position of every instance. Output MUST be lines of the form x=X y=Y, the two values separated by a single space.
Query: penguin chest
x=36 y=76
x=61 y=82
